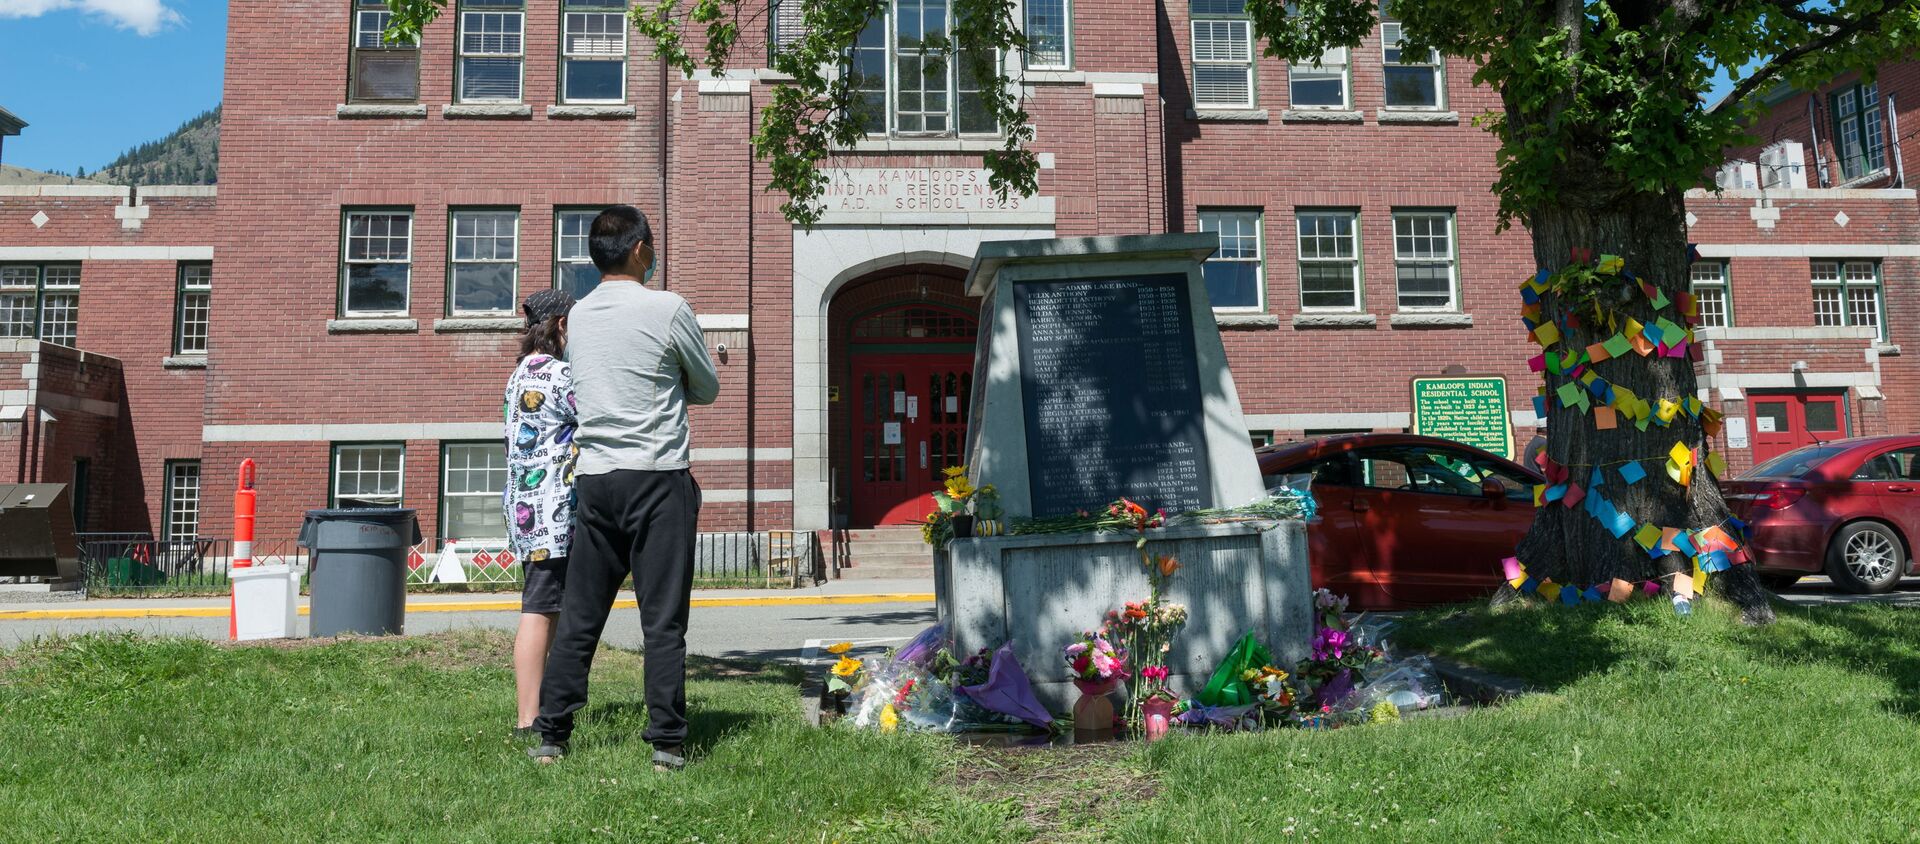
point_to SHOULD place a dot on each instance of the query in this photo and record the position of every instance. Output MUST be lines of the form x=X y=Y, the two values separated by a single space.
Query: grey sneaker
x=547 y=753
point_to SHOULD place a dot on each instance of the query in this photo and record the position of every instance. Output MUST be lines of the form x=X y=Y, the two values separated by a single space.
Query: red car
x=1404 y=520
x=1846 y=508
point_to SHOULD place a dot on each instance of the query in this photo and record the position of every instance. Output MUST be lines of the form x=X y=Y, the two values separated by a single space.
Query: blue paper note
x=1632 y=473
x=1528 y=296
x=1569 y=596
x=1623 y=524
x=1715 y=561
x=1531 y=585
x=1593 y=594
x=1685 y=544
x=1556 y=492
x=1599 y=477
x=1740 y=527
x=1540 y=406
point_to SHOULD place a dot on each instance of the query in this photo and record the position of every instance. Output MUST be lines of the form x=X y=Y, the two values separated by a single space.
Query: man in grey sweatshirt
x=638 y=360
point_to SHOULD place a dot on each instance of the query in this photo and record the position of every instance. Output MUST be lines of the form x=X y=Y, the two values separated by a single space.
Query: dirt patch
x=1062 y=791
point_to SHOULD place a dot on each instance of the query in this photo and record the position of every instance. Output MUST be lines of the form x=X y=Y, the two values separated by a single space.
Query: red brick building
x=381 y=211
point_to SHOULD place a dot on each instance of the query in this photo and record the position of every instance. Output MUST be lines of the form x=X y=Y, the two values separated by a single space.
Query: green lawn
x=1652 y=727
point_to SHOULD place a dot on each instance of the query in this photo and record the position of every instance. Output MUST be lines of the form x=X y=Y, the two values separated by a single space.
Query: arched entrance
x=901 y=363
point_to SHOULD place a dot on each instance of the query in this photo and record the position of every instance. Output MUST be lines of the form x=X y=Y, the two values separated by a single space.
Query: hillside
x=188 y=156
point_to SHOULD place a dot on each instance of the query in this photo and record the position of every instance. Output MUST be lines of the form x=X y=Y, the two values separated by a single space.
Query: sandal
x=547 y=752
x=524 y=733
x=665 y=762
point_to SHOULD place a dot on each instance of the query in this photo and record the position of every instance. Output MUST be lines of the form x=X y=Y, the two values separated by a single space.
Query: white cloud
x=143 y=16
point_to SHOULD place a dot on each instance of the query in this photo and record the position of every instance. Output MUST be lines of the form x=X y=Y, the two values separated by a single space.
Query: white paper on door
x=890 y=433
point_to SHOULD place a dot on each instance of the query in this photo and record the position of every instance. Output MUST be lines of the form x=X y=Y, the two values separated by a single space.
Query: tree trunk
x=1566 y=543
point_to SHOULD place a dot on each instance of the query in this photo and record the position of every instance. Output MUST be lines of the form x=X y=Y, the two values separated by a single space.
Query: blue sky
x=95 y=77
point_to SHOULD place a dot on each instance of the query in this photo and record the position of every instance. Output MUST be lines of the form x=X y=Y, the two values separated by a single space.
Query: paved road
x=743 y=632
x=1820 y=590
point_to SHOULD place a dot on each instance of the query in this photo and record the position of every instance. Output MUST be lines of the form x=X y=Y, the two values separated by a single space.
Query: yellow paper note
x=1546 y=334
x=1550 y=591
x=1680 y=453
x=1668 y=409
x=1717 y=465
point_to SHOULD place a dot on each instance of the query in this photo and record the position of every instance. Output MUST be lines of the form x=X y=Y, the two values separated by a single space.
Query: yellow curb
x=476 y=606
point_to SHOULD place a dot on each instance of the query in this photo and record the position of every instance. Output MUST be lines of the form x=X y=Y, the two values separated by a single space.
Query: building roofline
x=9 y=124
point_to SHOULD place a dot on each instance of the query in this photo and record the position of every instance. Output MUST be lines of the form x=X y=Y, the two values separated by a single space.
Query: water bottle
x=1682 y=606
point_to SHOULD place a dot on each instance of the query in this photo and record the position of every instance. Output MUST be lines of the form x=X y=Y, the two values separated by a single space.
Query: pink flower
x=1076 y=649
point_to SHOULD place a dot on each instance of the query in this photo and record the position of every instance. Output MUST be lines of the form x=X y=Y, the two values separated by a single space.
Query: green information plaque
x=1469 y=409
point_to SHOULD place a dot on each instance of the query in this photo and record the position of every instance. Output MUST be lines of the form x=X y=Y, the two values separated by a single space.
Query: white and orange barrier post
x=243 y=506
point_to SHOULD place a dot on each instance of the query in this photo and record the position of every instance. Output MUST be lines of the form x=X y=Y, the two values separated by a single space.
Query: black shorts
x=546 y=583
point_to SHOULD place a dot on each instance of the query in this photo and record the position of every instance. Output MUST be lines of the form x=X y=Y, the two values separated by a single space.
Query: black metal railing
x=770 y=559
x=137 y=564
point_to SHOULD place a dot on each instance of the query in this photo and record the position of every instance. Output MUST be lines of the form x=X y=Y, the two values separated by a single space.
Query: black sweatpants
x=643 y=523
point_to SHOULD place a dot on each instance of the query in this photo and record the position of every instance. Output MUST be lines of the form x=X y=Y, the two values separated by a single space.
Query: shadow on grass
x=1870 y=638
x=1547 y=646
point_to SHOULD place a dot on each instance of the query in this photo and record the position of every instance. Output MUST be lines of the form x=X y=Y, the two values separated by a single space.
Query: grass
x=1649 y=727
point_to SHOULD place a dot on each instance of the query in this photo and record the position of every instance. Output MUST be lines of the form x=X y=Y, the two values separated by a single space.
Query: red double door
x=1782 y=422
x=909 y=423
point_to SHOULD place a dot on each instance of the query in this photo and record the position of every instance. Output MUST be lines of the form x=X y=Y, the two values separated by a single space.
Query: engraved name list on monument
x=1112 y=394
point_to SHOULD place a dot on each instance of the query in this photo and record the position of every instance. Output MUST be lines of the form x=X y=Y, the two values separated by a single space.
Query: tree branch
x=1791 y=9
x=1778 y=64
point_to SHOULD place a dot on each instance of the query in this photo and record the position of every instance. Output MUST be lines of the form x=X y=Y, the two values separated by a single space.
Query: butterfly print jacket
x=540 y=456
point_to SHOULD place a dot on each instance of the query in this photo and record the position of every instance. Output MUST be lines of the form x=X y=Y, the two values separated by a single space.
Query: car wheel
x=1780 y=582
x=1866 y=558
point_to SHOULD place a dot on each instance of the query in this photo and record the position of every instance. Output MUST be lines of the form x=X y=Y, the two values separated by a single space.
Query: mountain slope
x=188 y=156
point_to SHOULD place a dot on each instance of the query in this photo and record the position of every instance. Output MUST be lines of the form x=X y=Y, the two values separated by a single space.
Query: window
x=906 y=84
x=40 y=300
x=1412 y=81
x=181 y=512
x=1856 y=114
x=1049 y=34
x=1234 y=274
x=1847 y=293
x=484 y=268
x=1222 y=54
x=474 y=474
x=1902 y=465
x=381 y=72
x=1709 y=281
x=193 y=302
x=377 y=263
x=1423 y=259
x=1260 y=439
x=573 y=269
x=368 y=475
x=593 y=52
x=1321 y=83
x=1437 y=471
x=491 y=50
x=1329 y=260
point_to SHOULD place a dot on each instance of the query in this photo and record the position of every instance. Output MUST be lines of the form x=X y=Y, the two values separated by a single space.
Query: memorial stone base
x=1041 y=591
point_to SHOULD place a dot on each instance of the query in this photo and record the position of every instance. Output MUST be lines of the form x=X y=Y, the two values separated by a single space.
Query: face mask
x=647 y=277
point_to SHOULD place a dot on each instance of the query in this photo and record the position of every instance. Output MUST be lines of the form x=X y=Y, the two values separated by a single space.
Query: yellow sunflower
x=841 y=648
x=846 y=667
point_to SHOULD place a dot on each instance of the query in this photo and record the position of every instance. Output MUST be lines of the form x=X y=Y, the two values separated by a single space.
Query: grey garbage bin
x=357 y=569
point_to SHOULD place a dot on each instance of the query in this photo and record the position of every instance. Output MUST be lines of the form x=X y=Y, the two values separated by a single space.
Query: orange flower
x=1136 y=611
x=1168 y=565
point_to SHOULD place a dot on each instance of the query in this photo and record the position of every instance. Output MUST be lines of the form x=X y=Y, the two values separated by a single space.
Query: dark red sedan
x=1846 y=508
x=1406 y=521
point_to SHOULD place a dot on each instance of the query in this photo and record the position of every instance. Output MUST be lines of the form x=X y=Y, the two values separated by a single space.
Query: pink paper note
x=1573 y=496
x=1537 y=363
x=1511 y=567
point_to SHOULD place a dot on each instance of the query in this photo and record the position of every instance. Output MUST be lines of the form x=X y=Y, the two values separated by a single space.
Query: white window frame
x=347 y=261
x=491 y=495
x=1320 y=66
x=359 y=450
x=1066 y=40
x=1861 y=131
x=35 y=295
x=1238 y=54
x=1209 y=220
x=1359 y=286
x=560 y=258
x=180 y=500
x=1845 y=277
x=888 y=21
x=454 y=262
x=1451 y=261
x=1434 y=64
x=1711 y=276
x=468 y=15
x=193 y=308
x=569 y=12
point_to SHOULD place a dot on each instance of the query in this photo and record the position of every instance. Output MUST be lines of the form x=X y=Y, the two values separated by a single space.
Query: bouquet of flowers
x=949 y=501
x=1338 y=663
x=1272 y=688
x=1094 y=657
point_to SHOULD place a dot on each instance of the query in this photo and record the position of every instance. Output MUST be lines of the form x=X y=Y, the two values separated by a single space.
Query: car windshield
x=1796 y=463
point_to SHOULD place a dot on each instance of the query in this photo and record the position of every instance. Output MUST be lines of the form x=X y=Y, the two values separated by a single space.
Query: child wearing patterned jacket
x=538 y=500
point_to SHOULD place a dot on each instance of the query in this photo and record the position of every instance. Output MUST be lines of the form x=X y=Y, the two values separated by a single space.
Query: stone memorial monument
x=1099 y=374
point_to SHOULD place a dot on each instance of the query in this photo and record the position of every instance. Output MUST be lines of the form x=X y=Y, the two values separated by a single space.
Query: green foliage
x=189 y=155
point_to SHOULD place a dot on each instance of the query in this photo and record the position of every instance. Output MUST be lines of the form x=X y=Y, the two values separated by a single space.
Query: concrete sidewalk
x=910 y=591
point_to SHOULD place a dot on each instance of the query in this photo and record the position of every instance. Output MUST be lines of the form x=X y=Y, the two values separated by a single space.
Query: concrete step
x=890 y=533
x=891 y=548
x=889 y=571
